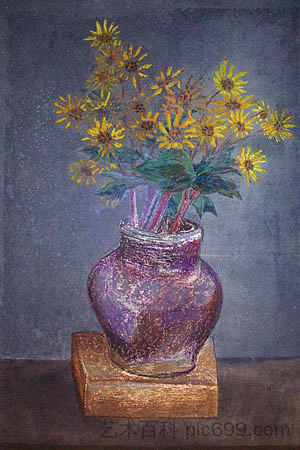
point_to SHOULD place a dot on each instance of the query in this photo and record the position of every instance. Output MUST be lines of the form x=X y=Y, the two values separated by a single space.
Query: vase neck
x=168 y=253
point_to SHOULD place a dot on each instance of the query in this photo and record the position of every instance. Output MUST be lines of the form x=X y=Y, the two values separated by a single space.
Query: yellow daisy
x=239 y=124
x=261 y=109
x=188 y=97
x=209 y=129
x=106 y=136
x=166 y=81
x=110 y=55
x=104 y=80
x=231 y=103
x=278 y=127
x=250 y=163
x=72 y=111
x=227 y=83
x=137 y=103
x=146 y=126
x=131 y=65
x=103 y=35
x=103 y=105
x=84 y=170
x=176 y=133
x=101 y=167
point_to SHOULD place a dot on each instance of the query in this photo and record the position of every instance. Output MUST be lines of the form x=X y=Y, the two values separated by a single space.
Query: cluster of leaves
x=174 y=172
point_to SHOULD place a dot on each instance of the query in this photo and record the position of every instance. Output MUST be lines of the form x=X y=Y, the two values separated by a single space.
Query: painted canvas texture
x=55 y=230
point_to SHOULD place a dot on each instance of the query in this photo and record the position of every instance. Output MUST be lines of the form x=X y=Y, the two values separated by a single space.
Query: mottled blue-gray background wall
x=55 y=231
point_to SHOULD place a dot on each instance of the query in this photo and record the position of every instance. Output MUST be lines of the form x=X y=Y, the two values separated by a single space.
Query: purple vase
x=156 y=301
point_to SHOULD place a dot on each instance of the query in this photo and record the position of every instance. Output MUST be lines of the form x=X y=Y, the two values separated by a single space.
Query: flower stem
x=179 y=212
x=240 y=139
x=150 y=212
x=148 y=207
x=133 y=209
x=206 y=150
x=185 y=203
x=209 y=100
x=194 y=153
x=139 y=86
x=152 y=149
x=141 y=152
x=120 y=167
x=218 y=150
x=161 y=207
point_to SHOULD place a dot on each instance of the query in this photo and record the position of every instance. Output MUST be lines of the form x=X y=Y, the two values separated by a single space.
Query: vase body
x=156 y=301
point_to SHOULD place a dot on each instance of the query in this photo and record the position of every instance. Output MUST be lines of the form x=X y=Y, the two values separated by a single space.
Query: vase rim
x=162 y=238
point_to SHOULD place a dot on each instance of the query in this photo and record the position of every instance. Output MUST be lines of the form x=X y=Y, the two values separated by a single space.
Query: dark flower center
x=105 y=37
x=263 y=114
x=75 y=114
x=110 y=60
x=207 y=131
x=86 y=171
x=174 y=135
x=248 y=165
x=147 y=125
x=104 y=137
x=132 y=66
x=232 y=104
x=228 y=85
x=240 y=126
x=278 y=126
x=101 y=76
x=139 y=108
x=165 y=82
x=184 y=97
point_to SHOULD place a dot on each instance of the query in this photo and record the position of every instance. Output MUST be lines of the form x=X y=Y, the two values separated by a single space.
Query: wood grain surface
x=108 y=391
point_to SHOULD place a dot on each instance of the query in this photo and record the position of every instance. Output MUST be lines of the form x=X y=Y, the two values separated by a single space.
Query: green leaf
x=128 y=155
x=210 y=173
x=115 y=189
x=178 y=156
x=93 y=152
x=172 y=170
x=217 y=164
x=169 y=176
x=172 y=207
x=203 y=204
x=198 y=204
x=209 y=206
x=210 y=184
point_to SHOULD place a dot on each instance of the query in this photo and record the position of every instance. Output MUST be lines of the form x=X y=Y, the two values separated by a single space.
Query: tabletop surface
x=259 y=404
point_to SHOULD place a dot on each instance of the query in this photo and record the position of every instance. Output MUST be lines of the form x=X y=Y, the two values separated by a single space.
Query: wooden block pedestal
x=107 y=391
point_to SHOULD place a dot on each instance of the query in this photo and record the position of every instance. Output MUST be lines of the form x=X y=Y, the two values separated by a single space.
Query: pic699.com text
x=236 y=429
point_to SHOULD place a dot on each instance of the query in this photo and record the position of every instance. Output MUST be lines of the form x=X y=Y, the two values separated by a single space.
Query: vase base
x=158 y=369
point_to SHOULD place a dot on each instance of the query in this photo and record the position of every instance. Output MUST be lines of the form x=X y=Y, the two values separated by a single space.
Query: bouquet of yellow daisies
x=165 y=132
